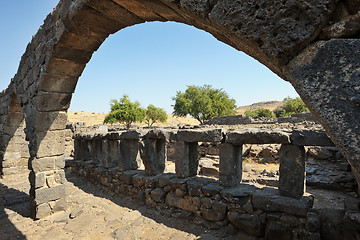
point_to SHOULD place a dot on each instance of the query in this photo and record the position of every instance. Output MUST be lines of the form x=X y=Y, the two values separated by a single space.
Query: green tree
x=125 y=111
x=262 y=112
x=203 y=103
x=154 y=114
x=292 y=105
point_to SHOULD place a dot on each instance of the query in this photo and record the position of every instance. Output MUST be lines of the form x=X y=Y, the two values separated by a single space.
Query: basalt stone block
x=96 y=151
x=211 y=189
x=239 y=194
x=230 y=169
x=158 y=195
x=51 y=143
x=86 y=150
x=45 y=195
x=164 y=179
x=258 y=136
x=187 y=203
x=250 y=224
x=292 y=171
x=277 y=231
x=200 y=135
x=153 y=154
x=113 y=153
x=186 y=159
x=310 y=138
x=161 y=134
x=132 y=134
x=129 y=150
x=269 y=200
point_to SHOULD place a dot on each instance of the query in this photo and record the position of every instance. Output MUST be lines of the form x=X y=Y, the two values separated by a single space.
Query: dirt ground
x=94 y=212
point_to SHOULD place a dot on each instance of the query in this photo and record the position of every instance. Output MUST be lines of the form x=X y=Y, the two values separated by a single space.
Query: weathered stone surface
x=132 y=135
x=200 y=135
x=257 y=136
x=186 y=159
x=318 y=82
x=269 y=199
x=158 y=195
x=261 y=21
x=292 y=171
x=310 y=138
x=230 y=169
x=276 y=230
x=51 y=143
x=347 y=27
x=239 y=194
x=248 y=223
x=128 y=152
x=187 y=203
x=161 y=134
x=45 y=164
x=45 y=195
x=153 y=154
x=211 y=189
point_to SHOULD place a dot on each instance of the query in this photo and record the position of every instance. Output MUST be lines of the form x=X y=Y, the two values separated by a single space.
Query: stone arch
x=295 y=39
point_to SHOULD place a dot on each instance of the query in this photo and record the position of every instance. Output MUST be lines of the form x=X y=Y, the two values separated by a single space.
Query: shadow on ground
x=16 y=201
x=181 y=221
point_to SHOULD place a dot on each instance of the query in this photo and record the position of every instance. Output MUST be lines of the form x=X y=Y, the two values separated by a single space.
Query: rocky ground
x=93 y=212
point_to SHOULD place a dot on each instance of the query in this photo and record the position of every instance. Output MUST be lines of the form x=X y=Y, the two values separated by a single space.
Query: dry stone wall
x=312 y=44
x=239 y=208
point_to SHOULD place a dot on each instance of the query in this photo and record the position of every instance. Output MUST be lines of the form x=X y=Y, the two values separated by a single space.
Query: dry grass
x=98 y=118
x=271 y=105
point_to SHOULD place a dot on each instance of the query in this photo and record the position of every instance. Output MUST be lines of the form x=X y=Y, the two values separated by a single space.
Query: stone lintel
x=258 y=136
x=200 y=135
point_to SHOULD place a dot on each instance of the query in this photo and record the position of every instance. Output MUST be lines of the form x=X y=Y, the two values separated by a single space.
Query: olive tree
x=154 y=114
x=125 y=111
x=203 y=103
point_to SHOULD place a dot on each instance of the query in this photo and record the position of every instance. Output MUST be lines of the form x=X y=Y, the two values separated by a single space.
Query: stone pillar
x=113 y=154
x=78 y=150
x=129 y=150
x=292 y=171
x=153 y=154
x=186 y=159
x=86 y=150
x=47 y=177
x=104 y=153
x=230 y=169
x=96 y=150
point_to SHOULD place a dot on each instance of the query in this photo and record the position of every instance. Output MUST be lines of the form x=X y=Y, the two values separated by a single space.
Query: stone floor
x=93 y=212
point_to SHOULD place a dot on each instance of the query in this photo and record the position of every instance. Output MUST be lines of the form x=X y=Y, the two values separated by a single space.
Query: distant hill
x=271 y=105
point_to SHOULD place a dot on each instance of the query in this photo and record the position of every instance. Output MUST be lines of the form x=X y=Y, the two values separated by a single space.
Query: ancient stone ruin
x=312 y=44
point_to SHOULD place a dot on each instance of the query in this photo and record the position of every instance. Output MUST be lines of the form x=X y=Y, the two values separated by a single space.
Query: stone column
x=113 y=155
x=96 y=150
x=47 y=177
x=186 y=159
x=78 y=155
x=230 y=169
x=86 y=150
x=153 y=154
x=292 y=171
x=129 y=150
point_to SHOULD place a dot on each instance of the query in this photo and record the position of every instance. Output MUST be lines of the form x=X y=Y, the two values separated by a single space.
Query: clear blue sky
x=149 y=62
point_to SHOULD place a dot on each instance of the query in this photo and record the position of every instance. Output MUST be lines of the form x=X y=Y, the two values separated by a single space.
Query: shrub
x=262 y=112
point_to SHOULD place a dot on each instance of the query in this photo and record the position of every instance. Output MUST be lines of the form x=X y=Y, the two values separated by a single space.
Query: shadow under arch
x=14 y=146
x=273 y=32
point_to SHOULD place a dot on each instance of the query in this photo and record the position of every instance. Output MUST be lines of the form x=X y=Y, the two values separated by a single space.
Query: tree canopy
x=203 y=103
x=292 y=105
x=154 y=114
x=125 y=111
